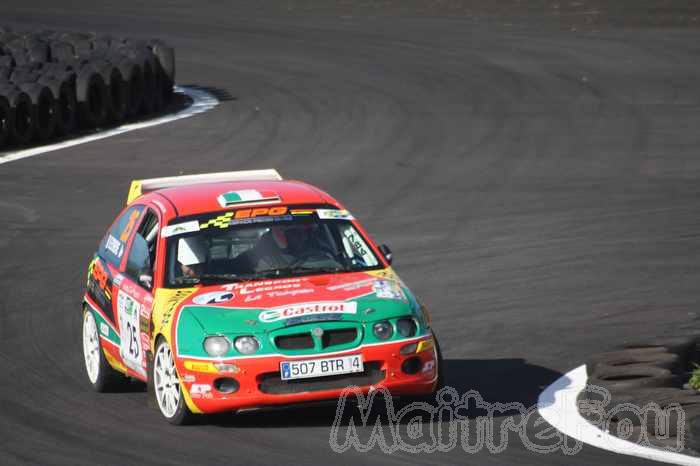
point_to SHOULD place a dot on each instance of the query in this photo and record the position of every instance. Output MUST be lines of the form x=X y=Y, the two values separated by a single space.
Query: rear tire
x=166 y=386
x=101 y=375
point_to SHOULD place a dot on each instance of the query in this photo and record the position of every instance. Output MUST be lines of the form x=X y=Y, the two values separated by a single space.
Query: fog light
x=409 y=348
x=411 y=366
x=226 y=385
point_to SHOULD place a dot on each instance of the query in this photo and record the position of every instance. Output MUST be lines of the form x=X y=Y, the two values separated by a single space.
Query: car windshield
x=274 y=243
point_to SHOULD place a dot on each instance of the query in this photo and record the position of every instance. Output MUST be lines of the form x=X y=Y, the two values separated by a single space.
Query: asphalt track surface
x=533 y=166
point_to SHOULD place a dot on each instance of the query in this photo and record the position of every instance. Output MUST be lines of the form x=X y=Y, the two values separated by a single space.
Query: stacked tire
x=649 y=372
x=54 y=84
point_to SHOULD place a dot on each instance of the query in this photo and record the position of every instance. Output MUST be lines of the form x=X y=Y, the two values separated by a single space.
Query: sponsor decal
x=428 y=366
x=267 y=285
x=232 y=218
x=171 y=303
x=200 y=390
x=99 y=274
x=267 y=219
x=129 y=311
x=99 y=285
x=387 y=273
x=104 y=329
x=352 y=285
x=118 y=279
x=124 y=237
x=260 y=212
x=301 y=211
x=180 y=228
x=188 y=378
x=386 y=289
x=114 y=246
x=214 y=297
x=276 y=294
x=357 y=245
x=312 y=318
x=251 y=298
x=331 y=214
x=306 y=309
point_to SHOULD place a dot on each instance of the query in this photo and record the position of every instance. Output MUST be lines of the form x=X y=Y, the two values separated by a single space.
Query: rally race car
x=241 y=290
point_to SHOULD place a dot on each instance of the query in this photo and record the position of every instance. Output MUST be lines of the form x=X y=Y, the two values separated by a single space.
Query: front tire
x=101 y=375
x=166 y=386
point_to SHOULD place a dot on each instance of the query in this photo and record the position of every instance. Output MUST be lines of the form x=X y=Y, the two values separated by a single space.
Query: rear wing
x=139 y=187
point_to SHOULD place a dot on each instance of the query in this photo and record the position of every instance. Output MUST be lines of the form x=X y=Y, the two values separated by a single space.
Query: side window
x=113 y=244
x=142 y=255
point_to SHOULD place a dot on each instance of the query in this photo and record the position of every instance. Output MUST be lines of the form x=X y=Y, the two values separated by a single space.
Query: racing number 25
x=133 y=343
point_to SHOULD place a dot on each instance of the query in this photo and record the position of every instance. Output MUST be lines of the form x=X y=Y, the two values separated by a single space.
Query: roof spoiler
x=139 y=187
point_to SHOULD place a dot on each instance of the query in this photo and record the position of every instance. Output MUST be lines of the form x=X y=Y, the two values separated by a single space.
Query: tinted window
x=114 y=243
x=139 y=258
x=142 y=255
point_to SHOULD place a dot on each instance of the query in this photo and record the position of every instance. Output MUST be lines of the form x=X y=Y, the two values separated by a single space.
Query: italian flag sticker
x=247 y=196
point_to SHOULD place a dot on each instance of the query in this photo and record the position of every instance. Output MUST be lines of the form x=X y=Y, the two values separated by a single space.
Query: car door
x=105 y=265
x=134 y=293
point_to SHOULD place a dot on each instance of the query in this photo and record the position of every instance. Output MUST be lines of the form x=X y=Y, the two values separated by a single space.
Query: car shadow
x=493 y=381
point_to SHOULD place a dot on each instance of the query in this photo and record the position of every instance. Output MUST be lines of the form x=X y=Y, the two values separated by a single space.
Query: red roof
x=202 y=198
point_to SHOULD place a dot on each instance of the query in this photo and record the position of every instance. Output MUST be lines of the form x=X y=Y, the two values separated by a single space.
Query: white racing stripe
x=557 y=405
x=201 y=102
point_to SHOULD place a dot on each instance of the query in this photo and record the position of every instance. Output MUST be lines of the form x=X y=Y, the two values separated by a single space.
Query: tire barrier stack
x=642 y=373
x=53 y=84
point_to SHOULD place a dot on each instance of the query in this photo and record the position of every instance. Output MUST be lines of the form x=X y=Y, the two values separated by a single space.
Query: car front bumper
x=260 y=385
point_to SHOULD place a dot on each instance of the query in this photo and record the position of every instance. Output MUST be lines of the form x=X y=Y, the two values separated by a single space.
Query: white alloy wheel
x=165 y=382
x=91 y=347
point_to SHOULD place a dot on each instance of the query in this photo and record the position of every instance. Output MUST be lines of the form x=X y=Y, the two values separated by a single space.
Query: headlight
x=247 y=344
x=406 y=327
x=383 y=330
x=216 y=346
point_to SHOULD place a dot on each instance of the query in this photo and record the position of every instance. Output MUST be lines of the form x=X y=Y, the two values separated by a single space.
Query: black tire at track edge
x=658 y=357
x=43 y=108
x=22 y=131
x=92 y=96
x=6 y=121
x=133 y=77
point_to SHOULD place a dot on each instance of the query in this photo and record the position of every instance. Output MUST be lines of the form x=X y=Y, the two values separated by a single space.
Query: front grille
x=338 y=337
x=295 y=341
x=304 y=340
x=272 y=383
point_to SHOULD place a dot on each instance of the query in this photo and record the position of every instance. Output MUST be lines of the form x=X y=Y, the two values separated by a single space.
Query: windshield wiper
x=186 y=280
x=208 y=278
x=301 y=268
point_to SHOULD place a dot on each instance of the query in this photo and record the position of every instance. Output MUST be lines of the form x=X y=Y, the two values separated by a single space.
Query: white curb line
x=201 y=102
x=557 y=405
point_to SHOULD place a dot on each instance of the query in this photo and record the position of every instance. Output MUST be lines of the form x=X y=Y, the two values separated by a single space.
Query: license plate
x=321 y=367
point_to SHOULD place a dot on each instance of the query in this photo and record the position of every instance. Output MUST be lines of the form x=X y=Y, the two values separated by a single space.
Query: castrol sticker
x=300 y=310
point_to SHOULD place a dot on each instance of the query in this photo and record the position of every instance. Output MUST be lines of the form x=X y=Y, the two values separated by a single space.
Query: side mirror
x=386 y=252
x=146 y=280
